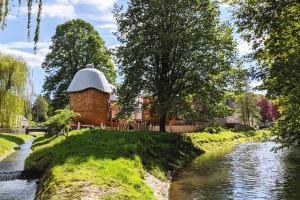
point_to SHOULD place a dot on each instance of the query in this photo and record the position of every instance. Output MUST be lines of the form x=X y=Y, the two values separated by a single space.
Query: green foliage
x=214 y=127
x=5 y=9
x=75 y=44
x=115 y=162
x=61 y=121
x=248 y=108
x=243 y=100
x=172 y=50
x=273 y=27
x=287 y=127
x=13 y=80
x=40 y=109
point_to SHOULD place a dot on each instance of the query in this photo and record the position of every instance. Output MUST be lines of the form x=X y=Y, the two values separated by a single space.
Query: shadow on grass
x=12 y=138
x=43 y=140
x=164 y=150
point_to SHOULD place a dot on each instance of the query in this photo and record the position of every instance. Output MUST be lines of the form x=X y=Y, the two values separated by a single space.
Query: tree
x=74 y=45
x=273 y=28
x=268 y=110
x=246 y=100
x=40 y=109
x=171 y=49
x=248 y=108
x=61 y=121
x=13 y=79
x=5 y=9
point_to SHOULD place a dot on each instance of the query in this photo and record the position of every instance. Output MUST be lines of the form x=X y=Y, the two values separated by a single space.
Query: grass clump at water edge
x=209 y=142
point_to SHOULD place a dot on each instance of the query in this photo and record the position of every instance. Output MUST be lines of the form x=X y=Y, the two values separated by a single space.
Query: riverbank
x=99 y=164
x=9 y=142
x=210 y=142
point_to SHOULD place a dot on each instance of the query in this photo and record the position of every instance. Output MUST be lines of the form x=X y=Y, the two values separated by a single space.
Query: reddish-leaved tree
x=268 y=110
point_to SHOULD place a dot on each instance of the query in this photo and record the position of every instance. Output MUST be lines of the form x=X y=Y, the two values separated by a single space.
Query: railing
x=36 y=129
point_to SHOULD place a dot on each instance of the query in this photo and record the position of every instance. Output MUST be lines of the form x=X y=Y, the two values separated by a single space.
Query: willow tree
x=172 y=49
x=13 y=79
x=5 y=8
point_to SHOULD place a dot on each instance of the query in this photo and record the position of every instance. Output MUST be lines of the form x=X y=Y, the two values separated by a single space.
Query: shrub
x=213 y=127
x=61 y=121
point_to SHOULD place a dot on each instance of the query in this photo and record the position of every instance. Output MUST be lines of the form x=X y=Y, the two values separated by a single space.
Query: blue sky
x=13 y=39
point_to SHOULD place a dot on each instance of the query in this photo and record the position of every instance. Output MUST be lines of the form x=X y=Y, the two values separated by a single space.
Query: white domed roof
x=89 y=78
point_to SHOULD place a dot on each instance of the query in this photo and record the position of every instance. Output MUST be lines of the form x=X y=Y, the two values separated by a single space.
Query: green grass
x=209 y=142
x=9 y=141
x=113 y=163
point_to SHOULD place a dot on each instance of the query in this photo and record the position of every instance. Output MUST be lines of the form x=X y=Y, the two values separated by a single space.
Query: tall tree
x=74 y=45
x=171 y=49
x=13 y=79
x=248 y=108
x=273 y=27
x=40 y=109
x=5 y=9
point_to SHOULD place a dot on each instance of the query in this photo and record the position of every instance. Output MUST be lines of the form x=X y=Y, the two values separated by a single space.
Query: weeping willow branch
x=5 y=9
x=38 y=22
x=13 y=81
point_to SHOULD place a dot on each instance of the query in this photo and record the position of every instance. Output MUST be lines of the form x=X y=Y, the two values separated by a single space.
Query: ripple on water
x=17 y=190
x=249 y=171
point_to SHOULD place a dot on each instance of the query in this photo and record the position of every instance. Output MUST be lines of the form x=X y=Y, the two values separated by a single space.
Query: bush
x=213 y=127
x=61 y=121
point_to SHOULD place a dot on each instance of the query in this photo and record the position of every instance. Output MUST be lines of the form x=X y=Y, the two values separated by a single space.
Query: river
x=245 y=171
x=12 y=188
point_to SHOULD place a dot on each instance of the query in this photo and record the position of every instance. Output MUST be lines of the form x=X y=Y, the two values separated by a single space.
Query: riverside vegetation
x=113 y=165
x=11 y=141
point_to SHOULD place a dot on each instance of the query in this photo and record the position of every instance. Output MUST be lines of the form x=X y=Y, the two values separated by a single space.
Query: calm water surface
x=16 y=189
x=246 y=171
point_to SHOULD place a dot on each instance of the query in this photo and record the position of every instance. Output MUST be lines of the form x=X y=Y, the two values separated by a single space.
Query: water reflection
x=249 y=171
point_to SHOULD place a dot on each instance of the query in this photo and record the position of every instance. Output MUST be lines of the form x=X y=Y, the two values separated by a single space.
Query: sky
x=13 y=39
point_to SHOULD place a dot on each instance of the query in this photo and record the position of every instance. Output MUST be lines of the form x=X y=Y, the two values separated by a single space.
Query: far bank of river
x=245 y=171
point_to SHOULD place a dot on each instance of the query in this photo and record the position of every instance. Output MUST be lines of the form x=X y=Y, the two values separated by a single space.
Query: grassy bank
x=9 y=141
x=209 y=142
x=99 y=164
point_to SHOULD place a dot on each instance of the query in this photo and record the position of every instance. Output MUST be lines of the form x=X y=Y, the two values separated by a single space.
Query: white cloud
x=24 y=45
x=243 y=47
x=110 y=26
x=33 y=60
x=56 y=10
x=101 y=5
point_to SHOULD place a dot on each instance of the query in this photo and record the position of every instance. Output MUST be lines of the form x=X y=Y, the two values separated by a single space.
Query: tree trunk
x=162 y=123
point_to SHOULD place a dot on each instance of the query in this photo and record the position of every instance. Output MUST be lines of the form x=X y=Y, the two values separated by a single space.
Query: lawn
x=9 y=141
x=99 y=164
